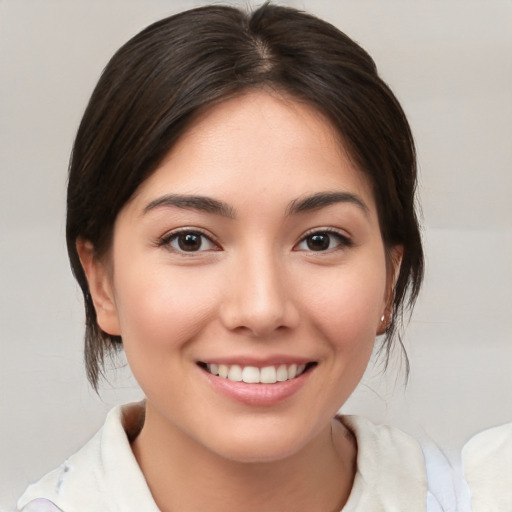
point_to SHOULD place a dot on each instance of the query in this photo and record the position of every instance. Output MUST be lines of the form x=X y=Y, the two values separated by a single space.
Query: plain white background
x=450 y=64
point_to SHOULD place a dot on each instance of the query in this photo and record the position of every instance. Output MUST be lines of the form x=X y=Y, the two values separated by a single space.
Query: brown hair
x=160 y=79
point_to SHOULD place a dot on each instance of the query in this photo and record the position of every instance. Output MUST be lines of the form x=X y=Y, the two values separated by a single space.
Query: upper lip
x=257 y=362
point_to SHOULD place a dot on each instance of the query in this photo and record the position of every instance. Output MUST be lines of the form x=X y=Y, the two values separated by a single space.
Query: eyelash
x=342 y=241
x=169 y=238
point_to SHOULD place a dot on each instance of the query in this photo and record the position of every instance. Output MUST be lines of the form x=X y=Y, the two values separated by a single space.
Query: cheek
x=348 y=306
x=161 y=309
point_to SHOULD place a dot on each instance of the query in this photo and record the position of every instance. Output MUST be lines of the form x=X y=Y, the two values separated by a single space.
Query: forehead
x=259 y=142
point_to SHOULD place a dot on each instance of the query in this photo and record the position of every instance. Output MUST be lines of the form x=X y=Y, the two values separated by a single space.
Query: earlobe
x=383 y=325
x=100 y=288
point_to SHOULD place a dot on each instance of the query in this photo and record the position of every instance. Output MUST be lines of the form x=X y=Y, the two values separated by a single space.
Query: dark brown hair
x=164 y=76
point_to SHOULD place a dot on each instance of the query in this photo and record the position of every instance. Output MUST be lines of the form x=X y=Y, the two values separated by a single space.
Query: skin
x=255 y=291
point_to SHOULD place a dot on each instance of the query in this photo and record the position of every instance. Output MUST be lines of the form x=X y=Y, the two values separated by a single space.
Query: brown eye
x=189 y=241
x=323 y=241
x=318 y=242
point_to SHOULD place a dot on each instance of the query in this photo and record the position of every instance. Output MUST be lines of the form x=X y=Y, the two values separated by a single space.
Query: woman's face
x=253 y=251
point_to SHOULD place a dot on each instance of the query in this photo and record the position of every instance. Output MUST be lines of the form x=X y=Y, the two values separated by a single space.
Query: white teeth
x=268 y=375
x=254 y=375
x=292 y=371
x=235 y=373
x=282 y=373
x=251 y=375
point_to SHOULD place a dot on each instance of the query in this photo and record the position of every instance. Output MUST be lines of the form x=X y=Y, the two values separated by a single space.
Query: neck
x=184 y=475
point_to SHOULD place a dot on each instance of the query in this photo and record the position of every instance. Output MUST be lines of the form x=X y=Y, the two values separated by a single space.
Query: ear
x=100 y=285
x=394 y=263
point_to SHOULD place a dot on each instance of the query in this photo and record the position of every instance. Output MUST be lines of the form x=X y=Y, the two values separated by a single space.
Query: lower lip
x=258 y=394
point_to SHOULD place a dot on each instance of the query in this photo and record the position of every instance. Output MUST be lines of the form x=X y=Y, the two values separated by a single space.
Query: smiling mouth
x=255 y=375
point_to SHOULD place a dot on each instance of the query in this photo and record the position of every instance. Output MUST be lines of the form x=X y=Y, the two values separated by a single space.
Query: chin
x=261 y=444
x=259 y=453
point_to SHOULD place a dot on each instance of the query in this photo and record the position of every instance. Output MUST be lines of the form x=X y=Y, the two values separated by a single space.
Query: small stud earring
x=382 y=318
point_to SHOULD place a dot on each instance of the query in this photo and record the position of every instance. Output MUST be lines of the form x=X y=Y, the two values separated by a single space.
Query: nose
x=259 y=298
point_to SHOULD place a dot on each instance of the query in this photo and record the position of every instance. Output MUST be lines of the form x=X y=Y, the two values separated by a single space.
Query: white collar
x=390 y=473
x=104 y=474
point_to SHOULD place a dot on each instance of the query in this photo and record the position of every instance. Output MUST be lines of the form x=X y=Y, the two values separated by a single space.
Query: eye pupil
x=318 y=242
x=189 y=242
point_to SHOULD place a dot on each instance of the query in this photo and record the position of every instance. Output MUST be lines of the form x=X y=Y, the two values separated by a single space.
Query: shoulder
x=391 y=471
x=75 y=478
x=487 y=463
x=104 y=472
x=384 y=446
x=491 y=448
x=381 y=437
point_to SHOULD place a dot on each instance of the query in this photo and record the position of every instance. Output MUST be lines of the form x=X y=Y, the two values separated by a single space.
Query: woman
x=241 y=222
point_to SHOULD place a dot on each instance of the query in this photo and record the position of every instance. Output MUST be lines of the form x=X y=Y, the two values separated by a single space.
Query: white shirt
x=487 y=461
x=105 y=477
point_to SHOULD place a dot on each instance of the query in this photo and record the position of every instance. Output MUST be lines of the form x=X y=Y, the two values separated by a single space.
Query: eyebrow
x=210 y=205
x=188 y=202
x=323 y=199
